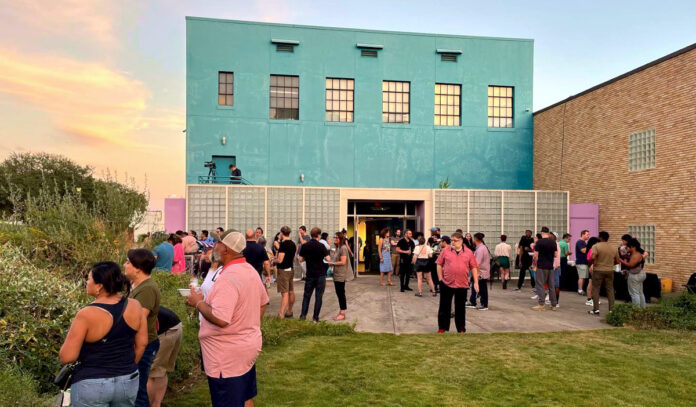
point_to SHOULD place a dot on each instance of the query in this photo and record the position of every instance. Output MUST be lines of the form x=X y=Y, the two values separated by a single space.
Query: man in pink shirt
x=230 y=332
x=453 y=267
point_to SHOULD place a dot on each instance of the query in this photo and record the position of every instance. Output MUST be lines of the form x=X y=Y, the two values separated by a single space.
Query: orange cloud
x=85 y=99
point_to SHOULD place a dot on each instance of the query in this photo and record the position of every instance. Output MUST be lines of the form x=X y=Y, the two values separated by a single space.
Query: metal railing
x=204 y=179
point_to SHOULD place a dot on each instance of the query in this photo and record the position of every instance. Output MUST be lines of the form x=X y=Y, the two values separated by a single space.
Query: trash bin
x=666 y=285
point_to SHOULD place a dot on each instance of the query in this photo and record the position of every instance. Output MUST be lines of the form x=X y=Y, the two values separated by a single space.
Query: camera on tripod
x=210 y=164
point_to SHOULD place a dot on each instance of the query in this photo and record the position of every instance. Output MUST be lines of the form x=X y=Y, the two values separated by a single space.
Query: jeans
x=311 y=284
x=433 y=273
x=144 y=369
x=546 y=277
x=405 y=272
x=445 y=310
x=483 y=291
x=119 y=391
x=635 y=288
x=340 y=287
x=600 y=277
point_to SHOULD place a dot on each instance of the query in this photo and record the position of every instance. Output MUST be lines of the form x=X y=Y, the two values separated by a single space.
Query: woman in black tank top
x=107 y=371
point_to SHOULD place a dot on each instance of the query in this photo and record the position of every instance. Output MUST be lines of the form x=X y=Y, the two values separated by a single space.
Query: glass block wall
x=485 y=215
x=641 y=150
x=284 y=207
x=646 y=236
x=451 y=209
x=246 y=208
x=206 y=208
x=322 y=209
x=518 y=215
x=552 y=211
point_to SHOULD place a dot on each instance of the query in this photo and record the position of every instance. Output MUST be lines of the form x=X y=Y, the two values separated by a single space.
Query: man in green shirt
x=565 y=252
x=144 y=289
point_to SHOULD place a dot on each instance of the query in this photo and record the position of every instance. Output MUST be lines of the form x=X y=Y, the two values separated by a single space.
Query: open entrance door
x=367 y=218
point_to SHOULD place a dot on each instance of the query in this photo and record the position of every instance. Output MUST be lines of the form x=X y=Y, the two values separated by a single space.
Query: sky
x=102 y=82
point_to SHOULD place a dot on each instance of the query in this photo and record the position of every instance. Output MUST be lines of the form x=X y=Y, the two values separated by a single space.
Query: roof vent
x=368 y=53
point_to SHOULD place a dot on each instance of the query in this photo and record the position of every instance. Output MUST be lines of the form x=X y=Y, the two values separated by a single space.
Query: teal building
x=356 y=129
x=318 y=106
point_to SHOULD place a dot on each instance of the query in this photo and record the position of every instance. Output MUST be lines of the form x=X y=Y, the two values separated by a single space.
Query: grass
x=617 y=367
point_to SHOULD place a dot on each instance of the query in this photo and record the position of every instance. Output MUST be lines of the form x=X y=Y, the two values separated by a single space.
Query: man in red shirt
x=453 y=267
x=230 y=332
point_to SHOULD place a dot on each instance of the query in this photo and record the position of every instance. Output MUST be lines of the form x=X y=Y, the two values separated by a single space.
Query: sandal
x=339 y=317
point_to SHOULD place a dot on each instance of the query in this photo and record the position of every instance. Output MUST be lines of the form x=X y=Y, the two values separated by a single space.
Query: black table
x=652 y=287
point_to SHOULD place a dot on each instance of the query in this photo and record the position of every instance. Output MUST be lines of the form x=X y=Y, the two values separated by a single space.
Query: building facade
x=357 y=129
x=628 y=145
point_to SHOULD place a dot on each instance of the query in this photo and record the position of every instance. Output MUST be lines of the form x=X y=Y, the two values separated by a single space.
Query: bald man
x=256 y=255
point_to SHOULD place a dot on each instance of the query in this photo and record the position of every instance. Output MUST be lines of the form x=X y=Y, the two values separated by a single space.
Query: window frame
x=227 y=86
x=386 y=92
x=350 y=91
x=457 y=97
x=648 y=243
x=491 y=106
x=642 y=151
x=284 y=88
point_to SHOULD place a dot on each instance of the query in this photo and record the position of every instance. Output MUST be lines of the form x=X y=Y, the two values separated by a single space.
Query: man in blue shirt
x=207 y=239
x=164 y=253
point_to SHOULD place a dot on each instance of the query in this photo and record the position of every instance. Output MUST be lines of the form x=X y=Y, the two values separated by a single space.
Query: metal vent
x=368 y=53
x=285 y=48
x=449 y=57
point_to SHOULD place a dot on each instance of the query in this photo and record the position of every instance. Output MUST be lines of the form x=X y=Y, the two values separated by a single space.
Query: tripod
x=212 y=175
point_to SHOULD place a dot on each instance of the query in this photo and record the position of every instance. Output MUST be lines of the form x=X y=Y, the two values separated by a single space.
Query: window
x=339 y=100
x=646 y=236
x=447 y=99
x=641 y=150
x=285 y=97
x=226 y=88
x=395 y=102
x=500 y=106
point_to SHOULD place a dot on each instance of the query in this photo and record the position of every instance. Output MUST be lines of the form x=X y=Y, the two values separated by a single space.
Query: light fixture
x=301 y=177
x=223 y=140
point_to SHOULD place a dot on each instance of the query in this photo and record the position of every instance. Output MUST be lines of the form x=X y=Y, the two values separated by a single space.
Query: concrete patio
x=387 y=310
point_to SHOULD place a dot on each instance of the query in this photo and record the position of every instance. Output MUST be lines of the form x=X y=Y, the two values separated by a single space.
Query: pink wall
x=174 y=214
x=583 y=216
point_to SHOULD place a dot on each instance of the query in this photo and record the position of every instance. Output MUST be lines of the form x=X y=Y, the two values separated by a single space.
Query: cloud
x=84 y=20
x=87 y=100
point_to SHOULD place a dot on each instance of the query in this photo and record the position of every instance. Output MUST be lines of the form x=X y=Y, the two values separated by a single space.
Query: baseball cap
x=555 y=234
x=446 y=239
x=433 y=229
x=235 y=241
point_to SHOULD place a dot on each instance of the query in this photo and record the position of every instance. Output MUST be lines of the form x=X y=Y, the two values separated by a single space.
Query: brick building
x=629 y=145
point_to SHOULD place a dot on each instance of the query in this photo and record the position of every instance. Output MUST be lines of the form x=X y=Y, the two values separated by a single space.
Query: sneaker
x=554 y=308
x=535 y=297
x=589 y=302
x=408 y=289
x=441 y=331
x=580 y=292
x=539 y=308
x=482 y=308
x=558 y=305
x=470 y=305
x=593 y=312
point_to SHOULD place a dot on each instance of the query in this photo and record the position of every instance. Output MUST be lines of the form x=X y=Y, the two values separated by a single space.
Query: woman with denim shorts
x=107 y=338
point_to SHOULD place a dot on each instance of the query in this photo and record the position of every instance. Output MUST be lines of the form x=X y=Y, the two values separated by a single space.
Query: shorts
x=170 y=343
x=422 y=266
x=504 y=262
x=233 y=391
x=583 y=270
x=557 y=277
x=284 y=281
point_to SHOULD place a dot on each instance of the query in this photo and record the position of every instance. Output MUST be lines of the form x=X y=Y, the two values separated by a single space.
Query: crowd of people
x=126 y=341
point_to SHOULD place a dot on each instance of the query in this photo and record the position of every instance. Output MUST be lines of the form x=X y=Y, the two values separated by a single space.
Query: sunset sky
x=103 y=82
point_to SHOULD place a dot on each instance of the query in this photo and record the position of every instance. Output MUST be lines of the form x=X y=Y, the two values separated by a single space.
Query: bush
x=18 y=389
x=36 y=309
x=671 y=313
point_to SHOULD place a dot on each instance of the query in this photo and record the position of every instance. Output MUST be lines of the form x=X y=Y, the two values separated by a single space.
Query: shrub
x=36 y=309
x=671 y=313
x=18 y=389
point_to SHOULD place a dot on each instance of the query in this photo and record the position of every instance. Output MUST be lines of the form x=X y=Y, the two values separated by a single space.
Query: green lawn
x=614 y=367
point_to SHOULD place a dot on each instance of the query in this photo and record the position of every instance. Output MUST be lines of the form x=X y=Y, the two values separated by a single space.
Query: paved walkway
x=387 y=310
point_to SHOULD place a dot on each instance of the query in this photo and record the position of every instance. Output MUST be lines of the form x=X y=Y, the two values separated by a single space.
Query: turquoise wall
x=366 y=153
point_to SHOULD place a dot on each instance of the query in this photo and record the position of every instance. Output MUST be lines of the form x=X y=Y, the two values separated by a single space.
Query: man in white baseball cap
x=230 y=332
